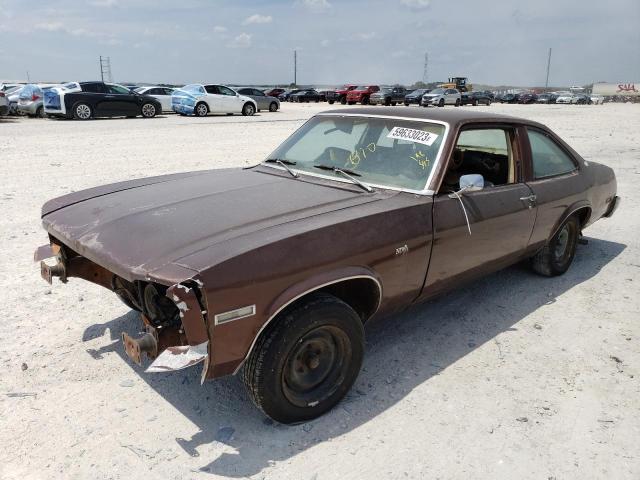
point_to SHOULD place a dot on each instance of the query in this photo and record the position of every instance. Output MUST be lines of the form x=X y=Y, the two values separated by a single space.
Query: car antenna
x=464 y=210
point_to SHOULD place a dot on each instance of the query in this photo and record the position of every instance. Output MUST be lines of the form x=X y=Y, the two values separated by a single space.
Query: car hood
x=136 y=228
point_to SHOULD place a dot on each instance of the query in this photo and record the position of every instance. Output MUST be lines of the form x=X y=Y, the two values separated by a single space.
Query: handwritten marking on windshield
x=355 y=157
x=421 y=159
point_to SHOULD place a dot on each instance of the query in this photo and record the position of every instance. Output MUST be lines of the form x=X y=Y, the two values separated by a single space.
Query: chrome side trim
x=436 y=162
x=221 y=318
x=255 y=339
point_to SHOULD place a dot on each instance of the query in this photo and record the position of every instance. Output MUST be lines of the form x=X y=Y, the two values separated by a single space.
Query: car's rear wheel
x=148 y=110
x=457 y=104
x=248 y=109
x=365 y=100
x=556 y=257
x=343 y=100
x=201 y=109
x=82 y=111
x=273 y=107
x=307 y=361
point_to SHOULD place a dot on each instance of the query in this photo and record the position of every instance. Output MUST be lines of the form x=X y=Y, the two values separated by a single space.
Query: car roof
x=451 y=116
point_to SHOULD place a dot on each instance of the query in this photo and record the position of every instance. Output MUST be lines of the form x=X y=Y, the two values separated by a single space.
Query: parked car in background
x=340 y=94
x=415 y=96
x=273 y=271
x=388 y=96
x=546 y=98
x=596 y=99
x=263 y=101
x=31 y=100
x=200 y=100
x=440 y=97
x=286 y=96
x=361 y=94
x=274 y=92
x=307 y=95
x=527 y=98
x=87 y=100
x=567 y=98
x=8 y=86
x=13 y=97
x=162 y=94
x=582 y=99
x=509 y=98
x=475 y=98
x=4 y=104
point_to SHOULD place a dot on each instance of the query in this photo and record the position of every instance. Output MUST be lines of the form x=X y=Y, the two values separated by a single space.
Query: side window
x=91 y=88
x=227 y=91
x=168 y=91
x=212 y=89
x=258 y=93
x=484 y=151
x=118 y=90
x=548 y=158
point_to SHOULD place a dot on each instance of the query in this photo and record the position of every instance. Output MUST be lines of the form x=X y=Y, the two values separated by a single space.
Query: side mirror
x=472 y=182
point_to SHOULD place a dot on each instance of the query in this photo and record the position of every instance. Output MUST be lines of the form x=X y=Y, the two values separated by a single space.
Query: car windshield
x=438 y=91
x=420 y=91
x=383 y=152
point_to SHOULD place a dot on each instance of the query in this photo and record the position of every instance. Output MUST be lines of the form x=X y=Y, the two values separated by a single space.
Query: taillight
x=1 y=94
x=34 y=97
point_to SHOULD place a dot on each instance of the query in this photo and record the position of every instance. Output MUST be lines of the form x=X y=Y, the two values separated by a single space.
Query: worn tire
x=280 y=347
x=548 y=261
x=248 y=109
x=82 y=111
x=201 y=109
x=273 y=107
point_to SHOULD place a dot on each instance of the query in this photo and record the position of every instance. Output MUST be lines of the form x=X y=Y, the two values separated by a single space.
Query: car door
x=95 y=94
x=554 y=179
x=214 y=99
x=120 y=101
x=261 y=99
x=500 y=216
x=231 y=101
x=450 y=96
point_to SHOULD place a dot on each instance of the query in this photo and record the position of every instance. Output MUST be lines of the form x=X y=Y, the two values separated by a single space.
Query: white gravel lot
x=514 y=376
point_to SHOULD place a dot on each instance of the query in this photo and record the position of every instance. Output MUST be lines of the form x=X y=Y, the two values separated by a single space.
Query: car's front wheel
x=441 y=102
x=201 y=110
x=307 y=361
x=556 y=257
x=248 y=109
x=82 y=111
x=148 y=110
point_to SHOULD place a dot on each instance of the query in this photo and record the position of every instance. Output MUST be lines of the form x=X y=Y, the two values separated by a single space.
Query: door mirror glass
x=472 y=182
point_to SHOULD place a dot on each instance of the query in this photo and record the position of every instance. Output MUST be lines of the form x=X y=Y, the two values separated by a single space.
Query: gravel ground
x=514 y=376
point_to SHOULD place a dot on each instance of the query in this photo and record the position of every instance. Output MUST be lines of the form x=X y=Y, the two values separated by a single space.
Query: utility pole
x=546 y=83
x=425 y=71
x=295 y=67
x=105 y=68
x=28 y=77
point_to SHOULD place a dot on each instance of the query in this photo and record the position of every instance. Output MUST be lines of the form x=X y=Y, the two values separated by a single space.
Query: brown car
x=359 y=214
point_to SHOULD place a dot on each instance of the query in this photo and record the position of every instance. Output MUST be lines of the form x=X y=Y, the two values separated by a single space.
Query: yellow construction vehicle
x=459 y=83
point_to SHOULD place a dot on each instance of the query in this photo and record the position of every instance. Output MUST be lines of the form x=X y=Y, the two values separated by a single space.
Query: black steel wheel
x=556 y=257
x=305 y=363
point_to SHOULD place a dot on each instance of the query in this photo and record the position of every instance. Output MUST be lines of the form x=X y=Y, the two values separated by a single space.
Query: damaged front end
x=174 y=317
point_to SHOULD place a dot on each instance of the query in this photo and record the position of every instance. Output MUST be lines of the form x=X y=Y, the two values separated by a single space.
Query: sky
x=501 y=42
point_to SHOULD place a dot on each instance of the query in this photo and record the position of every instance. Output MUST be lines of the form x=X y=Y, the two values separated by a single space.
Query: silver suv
x=441 y=97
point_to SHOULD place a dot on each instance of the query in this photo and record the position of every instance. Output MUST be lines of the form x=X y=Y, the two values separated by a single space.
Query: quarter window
x=548 y=158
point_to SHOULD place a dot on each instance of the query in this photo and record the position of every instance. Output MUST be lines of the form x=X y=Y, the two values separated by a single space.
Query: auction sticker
x=418 y=136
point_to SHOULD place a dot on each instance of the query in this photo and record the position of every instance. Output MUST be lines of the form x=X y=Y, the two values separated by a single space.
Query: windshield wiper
x=350 y=174
x=284 y=164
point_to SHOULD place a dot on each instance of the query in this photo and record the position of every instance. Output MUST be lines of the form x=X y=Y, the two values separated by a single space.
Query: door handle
x=531 y=199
